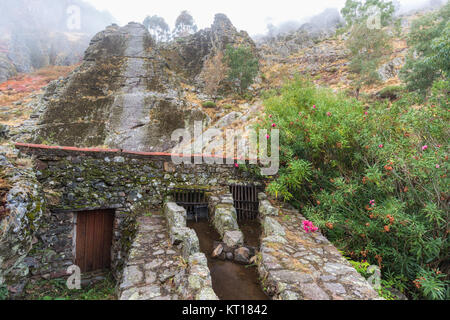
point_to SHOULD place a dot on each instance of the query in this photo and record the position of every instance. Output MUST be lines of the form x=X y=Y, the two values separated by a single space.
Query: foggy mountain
x=327 y=19
x=35 y=34
x=331 y=18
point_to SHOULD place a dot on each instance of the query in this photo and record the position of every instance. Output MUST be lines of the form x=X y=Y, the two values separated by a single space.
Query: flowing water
x=231 y=281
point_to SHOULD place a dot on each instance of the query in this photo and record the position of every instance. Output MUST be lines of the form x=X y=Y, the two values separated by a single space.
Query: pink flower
x=314 y=106
x=372 y=202
x=267 y=136
x=366 y=113
x=425 y=147
x=236 y=165
x=273 y=125
x=329 y=114
x=438 y=166
x=380 y=146
x=308 y=226
x=270 y=116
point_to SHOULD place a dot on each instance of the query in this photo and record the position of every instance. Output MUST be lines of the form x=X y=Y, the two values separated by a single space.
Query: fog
x=328 y=17
x=253 y=16
x=51 y=15
x=37 y=33
x=256 y=17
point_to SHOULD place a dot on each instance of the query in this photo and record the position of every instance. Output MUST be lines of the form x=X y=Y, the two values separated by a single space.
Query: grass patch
x=56 y=289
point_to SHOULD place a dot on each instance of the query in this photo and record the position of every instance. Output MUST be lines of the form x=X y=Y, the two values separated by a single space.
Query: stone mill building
x=91 y=184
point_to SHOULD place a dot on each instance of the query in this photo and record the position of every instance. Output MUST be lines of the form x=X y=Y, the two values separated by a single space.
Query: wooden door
x=94 y=240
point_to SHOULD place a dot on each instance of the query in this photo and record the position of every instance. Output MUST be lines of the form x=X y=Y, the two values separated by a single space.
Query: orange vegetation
x=21 y=87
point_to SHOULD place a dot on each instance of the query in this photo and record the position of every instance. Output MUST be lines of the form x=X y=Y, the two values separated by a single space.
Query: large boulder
x=123 y=96
x=129 y=93
x=187 y=55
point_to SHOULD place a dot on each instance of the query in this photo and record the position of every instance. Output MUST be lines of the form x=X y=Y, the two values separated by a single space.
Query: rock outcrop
x=318 y=28
x=187 y=55
x=128 y=92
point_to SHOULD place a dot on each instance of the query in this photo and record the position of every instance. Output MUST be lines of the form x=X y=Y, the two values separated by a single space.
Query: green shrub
x=368 y=48
x=428 y=57
x=243 y=66
x=209 y=104
x=374 y=179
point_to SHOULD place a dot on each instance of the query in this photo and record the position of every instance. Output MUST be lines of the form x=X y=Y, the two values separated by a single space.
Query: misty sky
x=249 y=15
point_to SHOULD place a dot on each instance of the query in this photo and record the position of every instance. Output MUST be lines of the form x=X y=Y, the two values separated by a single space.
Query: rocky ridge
x=129 y=92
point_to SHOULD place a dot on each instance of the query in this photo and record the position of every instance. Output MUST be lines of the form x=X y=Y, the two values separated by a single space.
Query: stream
x=231 y=281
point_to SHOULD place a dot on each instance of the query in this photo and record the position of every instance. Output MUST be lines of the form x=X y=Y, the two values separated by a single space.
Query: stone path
x=152 y=263
x=296 y=265
x=165 y=262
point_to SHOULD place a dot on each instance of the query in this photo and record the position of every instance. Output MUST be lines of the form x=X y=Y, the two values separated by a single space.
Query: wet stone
x=242 y=255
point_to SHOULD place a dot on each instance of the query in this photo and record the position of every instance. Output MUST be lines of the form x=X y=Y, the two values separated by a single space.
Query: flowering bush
x=375 y=179
x=308 y=226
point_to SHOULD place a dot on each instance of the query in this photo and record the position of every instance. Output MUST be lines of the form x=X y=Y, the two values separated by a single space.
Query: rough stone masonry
x=296 y=265
x=66 y=181
x=155 y=256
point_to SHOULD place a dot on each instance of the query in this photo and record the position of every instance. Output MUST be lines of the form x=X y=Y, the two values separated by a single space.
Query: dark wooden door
x=94 y=239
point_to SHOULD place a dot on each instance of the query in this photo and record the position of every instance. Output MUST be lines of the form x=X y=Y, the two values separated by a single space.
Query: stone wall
x=299 y=265
x=132 y=183
x=25 y=214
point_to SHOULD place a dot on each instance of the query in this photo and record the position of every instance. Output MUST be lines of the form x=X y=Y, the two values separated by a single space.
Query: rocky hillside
x=317 y=51
x=130 y=92
x=284 y=43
